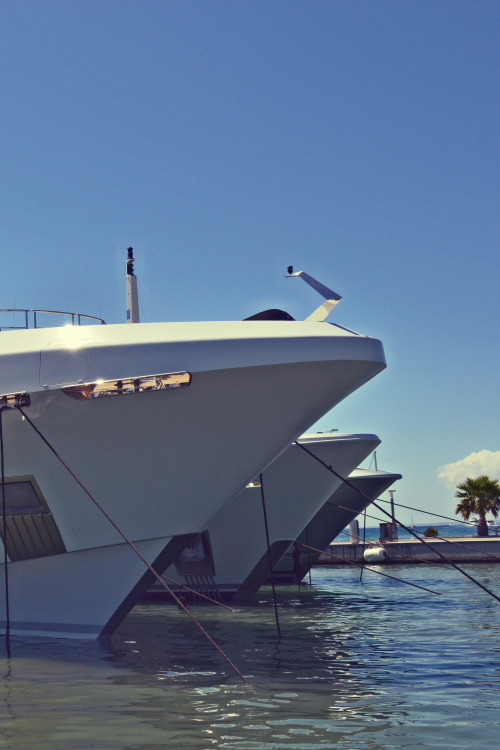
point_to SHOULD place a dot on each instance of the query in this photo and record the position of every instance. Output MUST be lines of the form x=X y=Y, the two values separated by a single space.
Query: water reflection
x=360 y=665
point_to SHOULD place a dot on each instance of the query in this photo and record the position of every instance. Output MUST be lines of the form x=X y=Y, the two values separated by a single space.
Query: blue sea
x=447 y=531
x=369 y=664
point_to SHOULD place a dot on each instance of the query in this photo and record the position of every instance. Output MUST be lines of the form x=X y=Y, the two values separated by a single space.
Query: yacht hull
x=332 y=518
x=161 y=463
x=79 y=594
x=294 y=487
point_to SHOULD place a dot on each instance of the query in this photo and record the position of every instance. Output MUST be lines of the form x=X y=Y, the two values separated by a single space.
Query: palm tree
x=478 y=497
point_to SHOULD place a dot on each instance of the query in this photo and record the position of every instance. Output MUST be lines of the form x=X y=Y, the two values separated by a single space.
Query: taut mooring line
x=197 y=593
x=442 y=538
x=427 y=512
x=440 y=554
x=412 y=533
x=467 y=546
x=365 y=567
x=395 y=555
x=5 y=556
x=269 y=557
x=364 y=542
x=179 y=602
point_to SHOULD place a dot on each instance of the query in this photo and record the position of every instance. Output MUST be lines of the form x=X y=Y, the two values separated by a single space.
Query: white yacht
x=231 y=558
x=163 y=423
x=332 y=518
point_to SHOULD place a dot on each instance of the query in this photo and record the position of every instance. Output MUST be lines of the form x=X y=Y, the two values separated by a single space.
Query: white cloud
x=483 y=462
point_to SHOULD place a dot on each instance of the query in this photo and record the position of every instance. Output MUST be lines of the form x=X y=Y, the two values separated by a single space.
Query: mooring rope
x=427 y=512
x=467 y=546
x=440 y=554
x=197 y=593
x=396 y=555
x=5 y=556
x=132 y=545
x=364 y=542
x=446 y=539
x=379 y=572
x=269 y=556
x=412 y=533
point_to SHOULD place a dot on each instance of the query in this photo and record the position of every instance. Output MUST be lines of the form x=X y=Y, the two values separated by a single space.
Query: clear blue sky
x=358 y=141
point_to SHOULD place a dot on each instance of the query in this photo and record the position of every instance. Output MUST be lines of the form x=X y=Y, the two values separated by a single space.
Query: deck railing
x=22 y=319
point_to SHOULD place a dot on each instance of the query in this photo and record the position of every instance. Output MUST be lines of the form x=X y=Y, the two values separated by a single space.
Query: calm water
x=365 y=665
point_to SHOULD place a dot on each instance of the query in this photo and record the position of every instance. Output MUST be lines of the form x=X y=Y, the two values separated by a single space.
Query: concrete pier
x=463 y=549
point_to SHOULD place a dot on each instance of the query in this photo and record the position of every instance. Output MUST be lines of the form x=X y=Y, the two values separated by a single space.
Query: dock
x=463 y=549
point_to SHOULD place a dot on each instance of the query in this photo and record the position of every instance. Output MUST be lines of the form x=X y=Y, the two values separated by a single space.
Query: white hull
x=333 y=517
x=161 y=463
x=295 y=487
x=70 y=597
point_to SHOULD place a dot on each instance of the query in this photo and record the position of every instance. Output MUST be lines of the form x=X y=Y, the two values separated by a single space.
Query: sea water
x=365 y=664
x=445 y=531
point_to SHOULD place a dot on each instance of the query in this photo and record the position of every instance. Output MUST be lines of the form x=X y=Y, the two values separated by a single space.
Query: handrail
x=76 y=318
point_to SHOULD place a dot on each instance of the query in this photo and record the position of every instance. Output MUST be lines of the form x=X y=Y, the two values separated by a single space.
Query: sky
x=224 y=141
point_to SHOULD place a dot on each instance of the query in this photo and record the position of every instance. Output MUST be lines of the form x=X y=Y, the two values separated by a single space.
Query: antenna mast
x=132 y=296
